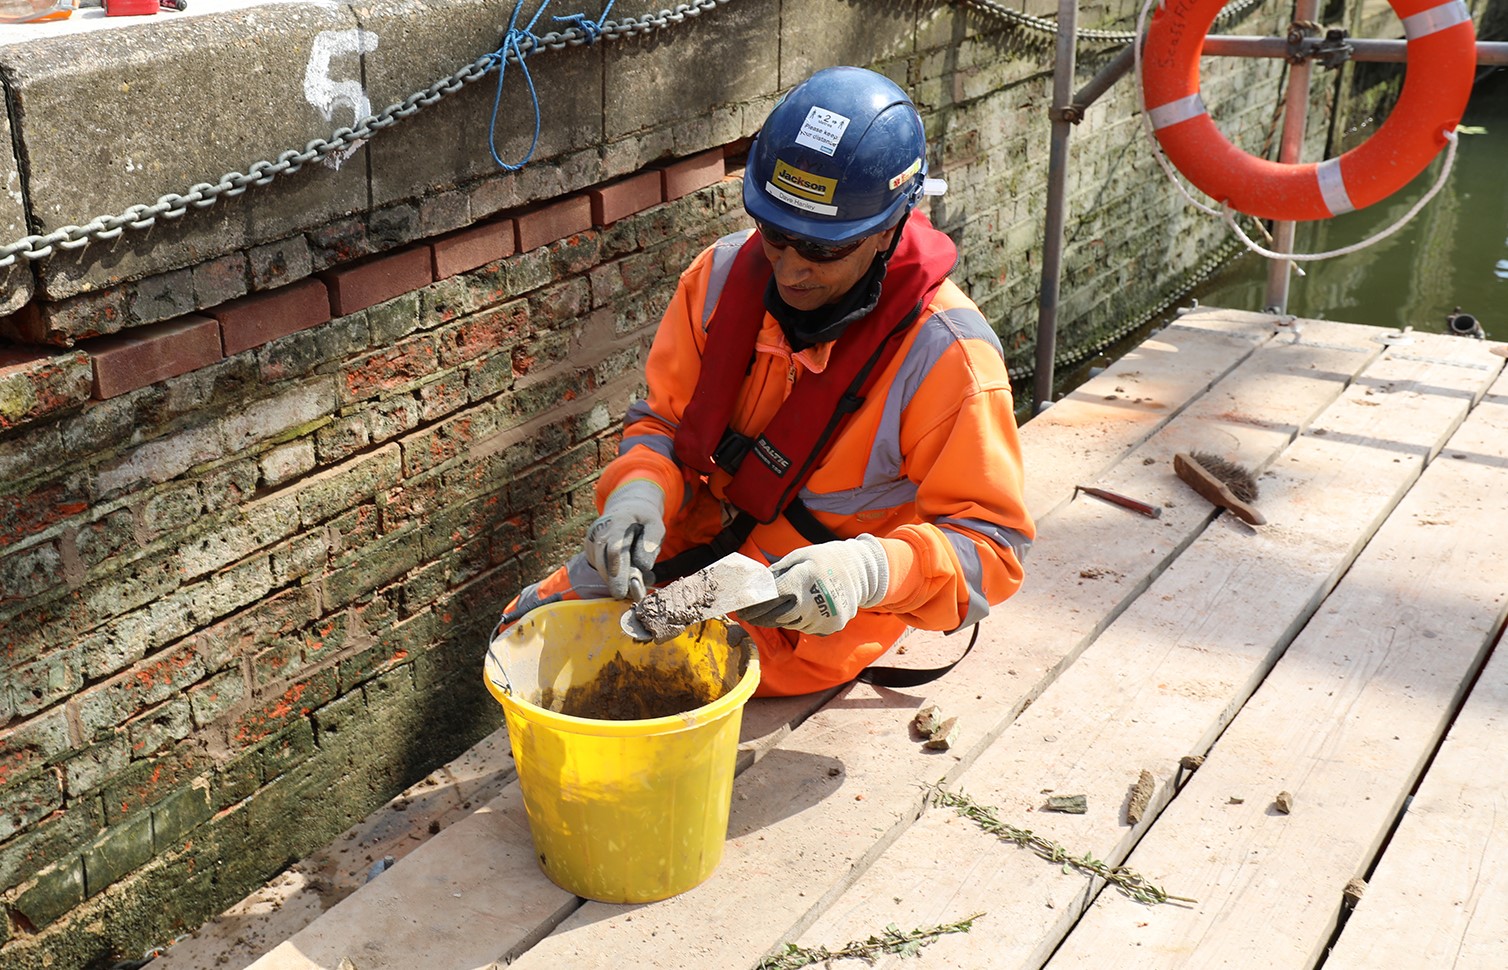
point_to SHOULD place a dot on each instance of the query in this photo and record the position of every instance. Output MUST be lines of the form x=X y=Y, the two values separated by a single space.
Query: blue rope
x=592 y=28
x=513 y=41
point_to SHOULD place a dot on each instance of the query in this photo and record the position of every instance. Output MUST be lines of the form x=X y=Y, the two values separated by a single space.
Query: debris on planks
x=1187 y=765
x=944 y=736
x=1283 y=802
x=1141 y=794
x=936 y=732
x=1068 y=804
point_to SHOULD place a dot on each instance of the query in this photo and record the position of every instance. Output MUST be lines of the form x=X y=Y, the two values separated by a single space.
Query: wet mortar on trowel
x=677 y=607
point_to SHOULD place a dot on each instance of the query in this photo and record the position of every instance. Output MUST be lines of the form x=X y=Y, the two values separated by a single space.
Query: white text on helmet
x=822 y=130
x=805 y=184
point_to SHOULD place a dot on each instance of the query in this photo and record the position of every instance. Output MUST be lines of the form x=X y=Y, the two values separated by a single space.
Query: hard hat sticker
x=814 y=187
x=822 y=130
x=798 y=202
x=901 y=179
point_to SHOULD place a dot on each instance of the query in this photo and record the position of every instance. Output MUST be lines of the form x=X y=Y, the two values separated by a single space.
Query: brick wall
x=268 y=475
x=231 y=579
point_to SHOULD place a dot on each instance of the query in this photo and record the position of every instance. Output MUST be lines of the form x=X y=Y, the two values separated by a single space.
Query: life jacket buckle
x=730 y=452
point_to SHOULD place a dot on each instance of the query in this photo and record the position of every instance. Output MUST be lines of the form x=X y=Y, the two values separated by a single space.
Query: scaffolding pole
x=1068 y=109
x=1063 y=115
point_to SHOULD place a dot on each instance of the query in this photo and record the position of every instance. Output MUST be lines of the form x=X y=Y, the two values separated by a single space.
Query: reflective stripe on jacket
x=930 y=464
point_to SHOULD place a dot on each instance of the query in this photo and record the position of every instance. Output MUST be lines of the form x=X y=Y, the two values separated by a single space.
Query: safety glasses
x=807 y=249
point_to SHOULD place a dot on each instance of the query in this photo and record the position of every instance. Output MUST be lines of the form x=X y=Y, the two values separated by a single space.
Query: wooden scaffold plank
x=1439 y=897
x=1341 y=729
x=488 y=859
x=1161 y=682
x=817 y=811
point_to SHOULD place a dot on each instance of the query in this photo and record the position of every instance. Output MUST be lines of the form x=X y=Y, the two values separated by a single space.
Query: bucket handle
x=508 y=619
x=505 y=686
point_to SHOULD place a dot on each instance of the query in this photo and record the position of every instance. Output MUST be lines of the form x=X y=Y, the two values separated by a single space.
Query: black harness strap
x=725 y=543
x=731 y=453
x=729 y=540
x=912 y=676
x=803 y=521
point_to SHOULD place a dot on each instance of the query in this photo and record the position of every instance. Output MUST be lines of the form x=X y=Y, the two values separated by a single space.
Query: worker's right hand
x=625 y=540
x=820 y=588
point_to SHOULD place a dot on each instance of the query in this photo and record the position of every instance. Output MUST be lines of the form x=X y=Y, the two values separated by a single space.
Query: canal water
x=1453 y=254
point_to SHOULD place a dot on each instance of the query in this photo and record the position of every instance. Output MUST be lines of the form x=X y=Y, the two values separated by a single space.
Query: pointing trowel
x=731 y=583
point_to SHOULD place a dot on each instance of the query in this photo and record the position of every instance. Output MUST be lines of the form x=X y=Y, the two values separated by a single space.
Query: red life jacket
x=769 y=466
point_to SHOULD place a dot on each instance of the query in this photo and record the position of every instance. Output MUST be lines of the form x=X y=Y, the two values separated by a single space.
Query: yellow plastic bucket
x=621 y=811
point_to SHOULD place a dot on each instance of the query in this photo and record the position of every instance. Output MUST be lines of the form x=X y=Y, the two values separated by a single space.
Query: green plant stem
x=893 y=940
x=1128 y=881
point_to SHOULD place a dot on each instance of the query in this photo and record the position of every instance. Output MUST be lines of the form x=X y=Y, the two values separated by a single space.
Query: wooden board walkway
x=1341 y=654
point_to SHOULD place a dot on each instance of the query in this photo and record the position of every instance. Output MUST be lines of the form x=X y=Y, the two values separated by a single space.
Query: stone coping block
x=177 y=105
x=176 y=101
x=15 y=282
x=447 y=143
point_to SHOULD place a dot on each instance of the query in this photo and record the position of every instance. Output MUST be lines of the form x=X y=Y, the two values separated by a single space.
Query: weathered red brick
x=389 y=368
x=381 y=278
x=556 y=220
x=254 y=320
x=626 y=196
x=30 y=744
x=151 y=780
x=154 y=679
x=689 y=174
x=77 y=318
x=484 y=333
x=466 y=249
x=272 y=714
x=153 y=353
x=35 y=383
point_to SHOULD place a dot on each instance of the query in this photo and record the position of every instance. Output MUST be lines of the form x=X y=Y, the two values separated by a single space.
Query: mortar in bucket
x=625 y=750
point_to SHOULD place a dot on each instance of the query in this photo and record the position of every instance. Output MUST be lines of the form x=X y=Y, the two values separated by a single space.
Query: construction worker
x=824 y=399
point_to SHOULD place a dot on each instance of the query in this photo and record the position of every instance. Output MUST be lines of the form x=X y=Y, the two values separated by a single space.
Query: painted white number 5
x=327 y=94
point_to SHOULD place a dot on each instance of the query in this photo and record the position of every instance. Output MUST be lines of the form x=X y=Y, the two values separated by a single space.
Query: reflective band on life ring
x=1442 y=60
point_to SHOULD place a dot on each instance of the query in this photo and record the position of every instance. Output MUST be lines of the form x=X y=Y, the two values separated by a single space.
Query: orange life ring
x=1441 y=62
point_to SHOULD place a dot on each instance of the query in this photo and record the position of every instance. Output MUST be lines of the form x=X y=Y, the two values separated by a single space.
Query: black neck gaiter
x=807 y=328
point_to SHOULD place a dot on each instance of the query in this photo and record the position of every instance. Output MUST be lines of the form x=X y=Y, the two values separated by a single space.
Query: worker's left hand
x=824 y=586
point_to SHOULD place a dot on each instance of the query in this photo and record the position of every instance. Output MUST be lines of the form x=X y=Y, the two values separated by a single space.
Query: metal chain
x=231 y=184
x=1047 y=26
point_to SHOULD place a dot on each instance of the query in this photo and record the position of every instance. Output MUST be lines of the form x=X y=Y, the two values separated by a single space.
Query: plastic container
x=35 y=11
x=621 y=811
x=130 y=8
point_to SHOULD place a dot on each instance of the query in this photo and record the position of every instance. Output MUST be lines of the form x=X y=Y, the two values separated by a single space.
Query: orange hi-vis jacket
x=930 y=464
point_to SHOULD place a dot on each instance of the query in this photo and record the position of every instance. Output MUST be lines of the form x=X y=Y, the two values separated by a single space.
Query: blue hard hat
x=840 y=157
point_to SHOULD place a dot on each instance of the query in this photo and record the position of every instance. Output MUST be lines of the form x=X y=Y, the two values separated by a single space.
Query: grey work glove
x=625 y=540
x=824 y=586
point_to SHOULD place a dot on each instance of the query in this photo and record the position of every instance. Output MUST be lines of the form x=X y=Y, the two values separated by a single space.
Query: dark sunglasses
x=807 y=249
